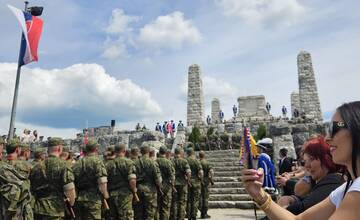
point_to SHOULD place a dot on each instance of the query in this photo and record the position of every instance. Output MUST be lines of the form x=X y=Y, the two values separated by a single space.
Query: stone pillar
x=308 y=95
x=195 y=101
x=295 y=102
x=215 y=109
x=281 y=134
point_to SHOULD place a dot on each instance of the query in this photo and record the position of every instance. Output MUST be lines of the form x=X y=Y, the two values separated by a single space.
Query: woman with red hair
x=323 y=172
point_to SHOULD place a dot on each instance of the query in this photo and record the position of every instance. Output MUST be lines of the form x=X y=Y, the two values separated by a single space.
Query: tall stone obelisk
x=308 y=95
x=215 y=109
x=195 y=99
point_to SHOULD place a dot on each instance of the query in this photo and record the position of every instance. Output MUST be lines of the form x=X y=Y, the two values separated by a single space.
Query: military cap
x=178 y=150
x=39 y=151
x=110 y=149
x=55 y=141
x=66 y=149
x=119 y=147
x=2 y=140
x=162 y=150
x=24 y=147
x=12 y=145
x=91 y=145
x=190 y=151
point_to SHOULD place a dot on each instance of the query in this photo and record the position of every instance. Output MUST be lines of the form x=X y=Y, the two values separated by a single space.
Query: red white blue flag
x=31 y=31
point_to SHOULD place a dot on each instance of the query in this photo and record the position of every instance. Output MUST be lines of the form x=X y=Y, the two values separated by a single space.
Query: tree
x=194 y=136
x=261 y=132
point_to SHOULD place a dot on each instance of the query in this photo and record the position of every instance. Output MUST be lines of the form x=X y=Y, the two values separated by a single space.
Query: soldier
x=148 y=180
x=13 y=150
x=207 y=180
x=152 y=153
x=195 y=186
x=25 y=152
x=122 y=185
x=134 y=153
x=109 y=154
x=39 y=155
x=167 y=171
x=182 y=176
x=51 y=180
x=91 y=184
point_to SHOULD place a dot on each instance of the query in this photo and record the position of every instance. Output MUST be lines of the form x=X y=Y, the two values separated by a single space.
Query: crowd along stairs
x=228 y=190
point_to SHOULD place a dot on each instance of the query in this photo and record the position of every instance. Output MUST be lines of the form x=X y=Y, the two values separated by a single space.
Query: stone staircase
x=228 y=191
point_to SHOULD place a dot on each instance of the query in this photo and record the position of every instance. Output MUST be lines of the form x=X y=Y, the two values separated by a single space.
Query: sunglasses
x=335 y=126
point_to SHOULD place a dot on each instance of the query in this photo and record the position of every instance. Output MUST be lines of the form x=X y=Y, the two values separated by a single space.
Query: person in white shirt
x=343 y=203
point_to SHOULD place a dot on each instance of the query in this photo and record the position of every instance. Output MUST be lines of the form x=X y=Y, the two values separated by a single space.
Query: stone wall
x=195 y=100
x=308 y=95
x=281 y=134
x=215 y=109
x=252 y=106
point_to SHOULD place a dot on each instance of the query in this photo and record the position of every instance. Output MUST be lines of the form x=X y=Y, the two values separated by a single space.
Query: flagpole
x=16 y=91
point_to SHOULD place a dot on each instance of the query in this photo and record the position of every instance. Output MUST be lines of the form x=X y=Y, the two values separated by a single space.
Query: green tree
x=194 y=136
x=261 y=132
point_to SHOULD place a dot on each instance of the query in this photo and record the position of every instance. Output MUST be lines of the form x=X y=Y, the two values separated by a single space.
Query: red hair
x=319 y=149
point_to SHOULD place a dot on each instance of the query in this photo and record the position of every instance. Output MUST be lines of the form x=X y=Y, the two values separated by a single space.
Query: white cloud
x=115 y=50
x=119 y=22
x=169 y=31
x=264 y=12
x=73 y=94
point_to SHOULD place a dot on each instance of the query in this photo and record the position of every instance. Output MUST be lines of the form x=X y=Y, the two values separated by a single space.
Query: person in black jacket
x=285 y=162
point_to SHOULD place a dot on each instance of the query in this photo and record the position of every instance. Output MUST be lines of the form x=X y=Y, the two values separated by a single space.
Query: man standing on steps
x=208 y=175
x=182 y=176
x=197 y=175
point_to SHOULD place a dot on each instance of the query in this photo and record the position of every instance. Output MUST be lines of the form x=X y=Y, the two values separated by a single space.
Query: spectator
x=268 y=107
x=208 y=120
x=158 y=127
x=170 y=128
x=234 y=110
x=284 y=111
x=285 y=162
x=26 y=137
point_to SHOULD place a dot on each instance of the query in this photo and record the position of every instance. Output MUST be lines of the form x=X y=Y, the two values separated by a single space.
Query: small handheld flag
x=247 y=146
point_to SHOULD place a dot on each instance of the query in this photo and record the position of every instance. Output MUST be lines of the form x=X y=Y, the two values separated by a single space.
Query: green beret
x=55 y=141
x=178 y=150
x=39 y=151
x=119 y=148
x=190 y=151
x=91 y=145
x=162 y=150
x=110 y=149
x=134 y=150
x=12 y=145
x=66 y=149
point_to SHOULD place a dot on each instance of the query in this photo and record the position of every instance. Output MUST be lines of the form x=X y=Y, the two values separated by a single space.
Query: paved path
x=227 y=214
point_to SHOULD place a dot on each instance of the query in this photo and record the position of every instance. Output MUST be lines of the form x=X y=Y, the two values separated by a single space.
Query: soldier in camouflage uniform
x=167 y=171
x=109 y=154
x=134 y=154
x=25 y=152
x=122 y=185
x=195 y=186
x=39 y=155
x=91 y=183
x=51 y=180
x=208 y=175
x=148 y=180
x=182 y=175
x=13 y=150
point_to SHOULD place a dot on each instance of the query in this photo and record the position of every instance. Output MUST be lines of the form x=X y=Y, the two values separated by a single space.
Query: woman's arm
x=349 y=208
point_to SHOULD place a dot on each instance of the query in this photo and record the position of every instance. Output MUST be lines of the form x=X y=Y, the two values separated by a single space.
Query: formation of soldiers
x=123 y=185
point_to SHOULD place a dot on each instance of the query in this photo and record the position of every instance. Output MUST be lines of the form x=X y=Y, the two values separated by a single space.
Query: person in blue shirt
x=264 y=162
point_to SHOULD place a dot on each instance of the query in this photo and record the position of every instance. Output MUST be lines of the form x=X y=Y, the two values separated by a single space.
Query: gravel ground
x=227 y=214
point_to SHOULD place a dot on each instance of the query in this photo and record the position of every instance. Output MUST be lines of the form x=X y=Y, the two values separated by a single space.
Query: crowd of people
x=325 y=183
x=122 y=184
x=168 y=128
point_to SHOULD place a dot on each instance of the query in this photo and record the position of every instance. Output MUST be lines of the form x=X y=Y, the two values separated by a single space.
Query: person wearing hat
x=197 y=175
x=208 y=176
x=264 y=162
x=39 y=155
x=91 y=183
x=167 y=171
x=13 y=151
x=50 y=181
x=134 y=153
x=122 y=185
x=148 y=182
x=109 y=155
x=182 y=177
x=25 y=152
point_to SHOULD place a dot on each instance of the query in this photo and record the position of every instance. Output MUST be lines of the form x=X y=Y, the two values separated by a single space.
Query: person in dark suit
x=285 y=162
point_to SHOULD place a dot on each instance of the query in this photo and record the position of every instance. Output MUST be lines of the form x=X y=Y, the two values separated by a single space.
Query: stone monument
x=295 y=102
x=215 y=109
x=252 y=106
x=195 y=100
x=308 y=95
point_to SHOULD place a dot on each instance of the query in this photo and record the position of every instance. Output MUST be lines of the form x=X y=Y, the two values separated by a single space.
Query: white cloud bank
x=73 y=94
x=264 y=12
x=119 y=22
x=169 y=31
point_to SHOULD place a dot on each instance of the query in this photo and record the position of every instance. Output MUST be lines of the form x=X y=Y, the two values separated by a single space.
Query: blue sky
x=128 y=60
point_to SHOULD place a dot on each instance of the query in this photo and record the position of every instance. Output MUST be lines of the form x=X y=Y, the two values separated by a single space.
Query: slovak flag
x=31 y=27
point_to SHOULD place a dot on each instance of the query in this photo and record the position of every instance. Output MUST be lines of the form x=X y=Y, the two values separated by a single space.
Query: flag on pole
x=31 y=31
x=253 y=148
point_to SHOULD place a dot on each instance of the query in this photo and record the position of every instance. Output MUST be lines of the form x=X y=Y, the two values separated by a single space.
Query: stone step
x=228 y=173
x=229 y=197
x=226 y=179
x=227 y=191
x=225 y=163
x=224 y=155
x=227 y=168
x=228 y=185
x=232 y=204
x=221 y=159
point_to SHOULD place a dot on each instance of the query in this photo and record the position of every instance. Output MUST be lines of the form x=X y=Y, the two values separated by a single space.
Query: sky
x=128 y=60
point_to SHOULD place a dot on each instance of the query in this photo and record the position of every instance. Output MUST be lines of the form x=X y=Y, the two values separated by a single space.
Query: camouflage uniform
x=168 y=176
x=49 y=179
x=148 y=179
x=89 y=172
x=204 y=199
x=120 y=171
x=195 y=187
x=178 y=204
